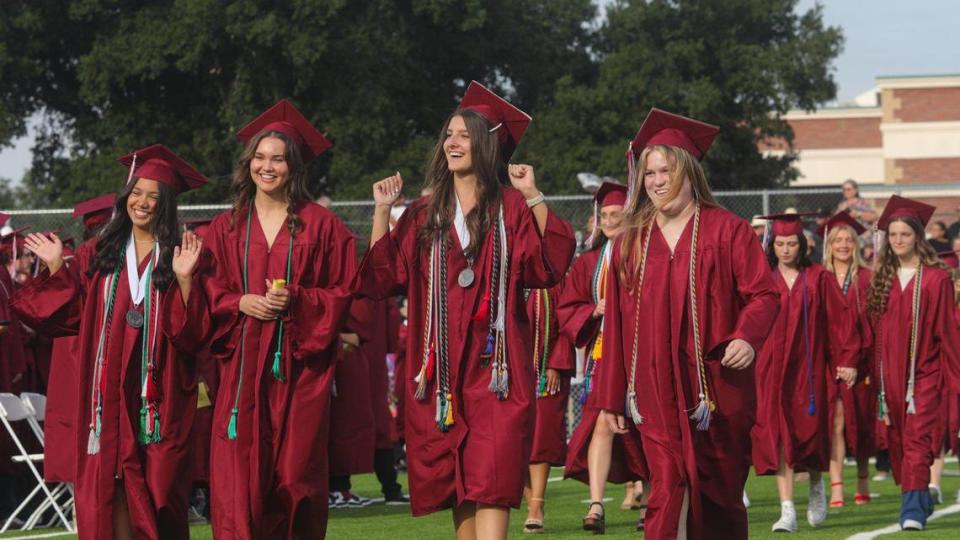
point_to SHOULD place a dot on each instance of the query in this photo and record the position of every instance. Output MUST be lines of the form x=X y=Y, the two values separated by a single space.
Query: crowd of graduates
x=255 y=362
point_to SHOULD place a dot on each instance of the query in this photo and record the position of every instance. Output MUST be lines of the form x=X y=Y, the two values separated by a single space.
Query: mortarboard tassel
x=632 y=179
x=766 y=236
x=596 y=223
x=633 y=409
x=701 y=414
x=232 y=426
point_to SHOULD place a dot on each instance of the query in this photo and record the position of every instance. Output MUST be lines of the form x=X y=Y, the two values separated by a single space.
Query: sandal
x=861 y=498
x=593 y=521
x=531 y=525
x=834 y=503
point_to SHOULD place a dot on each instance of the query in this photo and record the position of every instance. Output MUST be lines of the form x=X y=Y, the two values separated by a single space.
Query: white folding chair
x=36 y=406
x=12 y=410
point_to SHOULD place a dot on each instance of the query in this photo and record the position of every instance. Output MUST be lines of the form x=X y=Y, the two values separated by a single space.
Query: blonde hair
x=857 y=262
x=640 y=210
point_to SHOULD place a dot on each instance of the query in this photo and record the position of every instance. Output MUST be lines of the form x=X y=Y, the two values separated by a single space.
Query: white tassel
x=766 y=236
x=701 y=415
x=633 y=409
x=93 y=443
x=334 y=390
x=911 y=405
x=439 y=412
x=494 y=380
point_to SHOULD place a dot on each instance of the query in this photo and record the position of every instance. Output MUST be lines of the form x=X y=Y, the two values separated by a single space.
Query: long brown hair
x=489 y=168
x=294 y=190
x=889 y=264
x=640 y=210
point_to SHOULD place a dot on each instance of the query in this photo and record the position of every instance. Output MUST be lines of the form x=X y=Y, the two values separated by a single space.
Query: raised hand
x=186 y=255
x=523 y=178
x=49 y=250
x=387 y=191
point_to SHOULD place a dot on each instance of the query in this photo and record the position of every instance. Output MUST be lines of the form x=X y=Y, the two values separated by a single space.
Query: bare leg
x=465 y=521
x=492 y=522
x=784 y=480
x=598 y=459
x=936 y=470
x=122 y=530
x=628 y=496
x=837 y=453
x=537 y=489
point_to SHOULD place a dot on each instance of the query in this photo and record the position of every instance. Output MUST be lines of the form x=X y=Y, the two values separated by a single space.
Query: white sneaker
x=746 y=500
x=911 y=525
x=817 y=504
x=788 y=518
x=935 y=494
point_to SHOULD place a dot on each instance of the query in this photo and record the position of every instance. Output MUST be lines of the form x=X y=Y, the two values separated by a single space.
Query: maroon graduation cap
x=610 y=194
x=508 y=121
x=950 y=257
x=787 y=224
x=838 y=220
x=898 y=207
x=4 y=218
x=287 y=119
x=96 y=211
x=157 y=162
x=668 y=129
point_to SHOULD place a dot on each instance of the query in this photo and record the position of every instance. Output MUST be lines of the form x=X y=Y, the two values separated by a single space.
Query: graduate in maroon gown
x=59 y=424
x=691 y=300
x=917 y=342
x=554 y=361
x=596 y=455
x=853 y=410
x=277 y=275
x=464 y=254
x=135 y=377
x=814 y=331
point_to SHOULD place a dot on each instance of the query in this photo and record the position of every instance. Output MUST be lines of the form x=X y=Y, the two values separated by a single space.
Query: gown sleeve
x=545 y=258
x=756 y=290
x=214 y=277
x=53 y=304
x=611 y=376
x=186 y=324
x=316 y=314
x=576 y=305
x=385 y=268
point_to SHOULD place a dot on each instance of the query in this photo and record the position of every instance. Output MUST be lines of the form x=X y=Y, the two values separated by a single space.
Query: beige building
x=903 y=136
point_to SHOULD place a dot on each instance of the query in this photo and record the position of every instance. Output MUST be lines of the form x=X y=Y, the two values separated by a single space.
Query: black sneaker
x=396 y=499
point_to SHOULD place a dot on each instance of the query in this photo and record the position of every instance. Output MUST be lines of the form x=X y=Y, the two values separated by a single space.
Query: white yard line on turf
x=47 y=535
x=870 y=535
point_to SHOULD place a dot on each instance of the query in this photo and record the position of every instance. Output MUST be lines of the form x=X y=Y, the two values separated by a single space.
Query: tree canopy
x=380 y=76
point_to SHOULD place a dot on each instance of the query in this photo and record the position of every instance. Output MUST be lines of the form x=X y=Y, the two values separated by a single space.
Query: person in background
x=938 y=238
x=859 y=208
x=953 y=231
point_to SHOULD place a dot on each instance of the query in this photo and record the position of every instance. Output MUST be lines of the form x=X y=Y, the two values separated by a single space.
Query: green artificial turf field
x=564 y=508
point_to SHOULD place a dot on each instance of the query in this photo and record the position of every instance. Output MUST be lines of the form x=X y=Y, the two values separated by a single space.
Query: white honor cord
x=460 y=224
x=137 y=282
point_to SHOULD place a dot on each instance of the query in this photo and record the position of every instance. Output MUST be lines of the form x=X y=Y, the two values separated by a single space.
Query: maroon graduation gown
x=737 y=300
x=12 y=363
x=914 y=440
x=372 y=322
x=59 y=423
x=352 y=431
x=157 y=496
x=209 y=374
x=271 y=481
x=792 y=411
x=483 y=457
x=550 y=431
x=627 y=463
x=859 y=402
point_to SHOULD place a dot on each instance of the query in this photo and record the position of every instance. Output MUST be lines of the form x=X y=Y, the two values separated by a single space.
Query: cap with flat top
x=664 y=128
x=838 y=220
x=285 y=118
x=899 y=207
x=787 y=224
x=159 y=163
x=507 y=120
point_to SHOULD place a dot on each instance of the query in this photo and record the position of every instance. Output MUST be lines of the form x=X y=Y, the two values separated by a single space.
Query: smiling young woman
x=690 y=301
x=277 y=277
x=137 y=390
x=463 y=255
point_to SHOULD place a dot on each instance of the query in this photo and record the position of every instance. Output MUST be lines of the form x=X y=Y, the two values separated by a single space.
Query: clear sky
x=883 y=37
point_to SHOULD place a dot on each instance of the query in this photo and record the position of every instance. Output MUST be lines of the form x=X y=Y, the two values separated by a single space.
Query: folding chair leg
x=15 y=513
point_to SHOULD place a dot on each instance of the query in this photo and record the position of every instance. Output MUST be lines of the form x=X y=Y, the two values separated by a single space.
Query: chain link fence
x=576 y=209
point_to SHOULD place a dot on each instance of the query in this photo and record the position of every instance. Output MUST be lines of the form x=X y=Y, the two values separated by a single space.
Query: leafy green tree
x=739 y=64
x=378 y=75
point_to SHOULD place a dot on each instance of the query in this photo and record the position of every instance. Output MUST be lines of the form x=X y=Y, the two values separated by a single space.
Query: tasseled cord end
x=487 y=350
x=881 y=406
x=499 y=382
x=911 y=404
x=232 y=426
x=633 y=409
x=701 y=414
x=444 y=416
x=93 y=442
x=812 y=408
x=277 y=372
x=421 y=379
